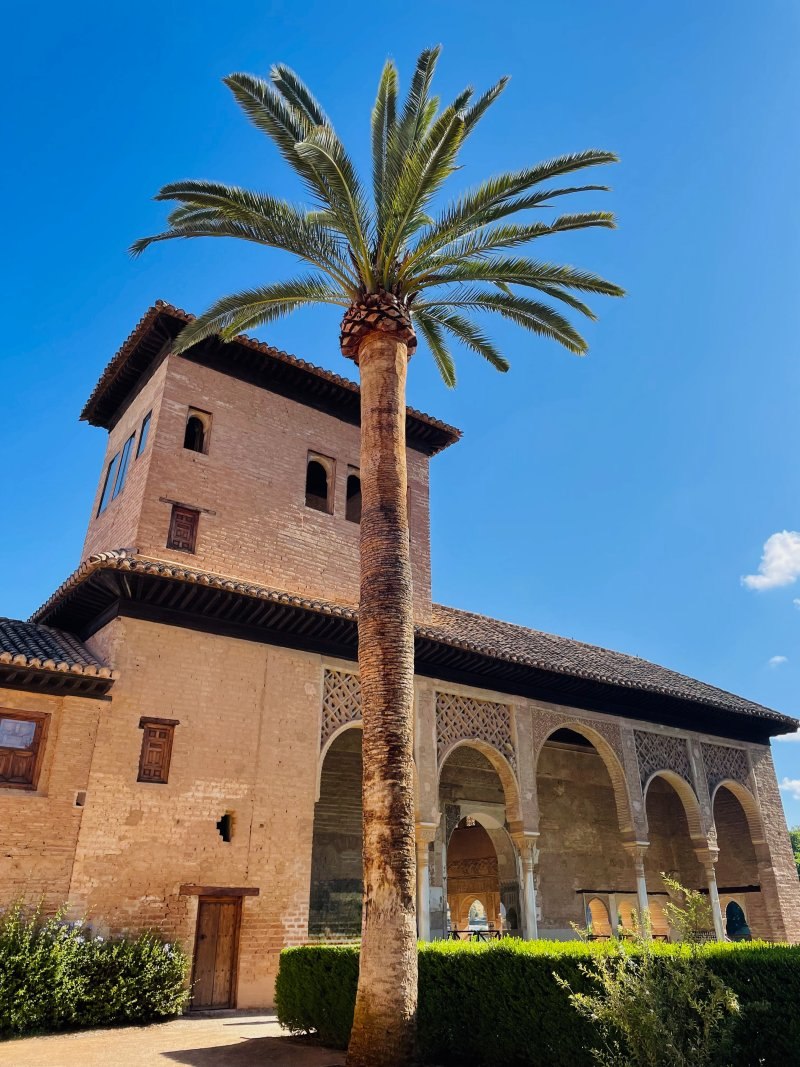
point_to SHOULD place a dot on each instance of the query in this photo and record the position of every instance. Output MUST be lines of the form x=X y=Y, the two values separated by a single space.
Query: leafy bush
x=55 y=975
x=499 y=1004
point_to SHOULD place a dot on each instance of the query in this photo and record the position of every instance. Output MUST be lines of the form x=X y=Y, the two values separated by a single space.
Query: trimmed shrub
x=55 y=975
x=499 y=1004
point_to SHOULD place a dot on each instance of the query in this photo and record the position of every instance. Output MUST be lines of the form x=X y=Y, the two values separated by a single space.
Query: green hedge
x=56 y=975
x=498 y=1005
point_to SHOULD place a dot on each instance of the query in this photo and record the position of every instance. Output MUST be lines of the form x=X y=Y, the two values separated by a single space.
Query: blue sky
x=618 y=499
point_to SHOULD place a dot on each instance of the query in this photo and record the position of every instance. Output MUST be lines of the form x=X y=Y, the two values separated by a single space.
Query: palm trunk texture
x=384 y=1027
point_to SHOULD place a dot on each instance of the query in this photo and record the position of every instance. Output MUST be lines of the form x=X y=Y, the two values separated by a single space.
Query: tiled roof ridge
x=75 y=657
x=163 y=306
x=731 y=703
x=128 y=559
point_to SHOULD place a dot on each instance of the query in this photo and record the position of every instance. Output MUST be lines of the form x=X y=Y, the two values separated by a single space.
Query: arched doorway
x=738 y=878
x=582 y=813
x=474 y=858
x=473 y=880
x=673 y=820
x=335 y=897
x=736 y=925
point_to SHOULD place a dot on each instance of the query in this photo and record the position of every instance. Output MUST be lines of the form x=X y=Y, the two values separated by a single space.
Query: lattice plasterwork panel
x=341 y=702
x=545 y=722
x=467 y=719
x=662 y=752
x=724 y=761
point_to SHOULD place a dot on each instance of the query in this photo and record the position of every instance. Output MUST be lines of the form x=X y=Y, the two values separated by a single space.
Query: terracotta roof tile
x=564 y=655
x=34 y=646
x=462 y=629
x=161 y=307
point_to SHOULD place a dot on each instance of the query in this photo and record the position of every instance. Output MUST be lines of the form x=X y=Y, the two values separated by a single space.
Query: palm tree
x=396 y=264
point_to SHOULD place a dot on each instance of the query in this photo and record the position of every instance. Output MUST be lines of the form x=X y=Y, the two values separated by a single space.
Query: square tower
x=243 y=461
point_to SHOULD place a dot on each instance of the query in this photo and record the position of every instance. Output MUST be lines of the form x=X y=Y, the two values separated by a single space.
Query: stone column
x=637 y=850
x=613 y=914
x=529 y=856
x=425 y=833
x=708 y=858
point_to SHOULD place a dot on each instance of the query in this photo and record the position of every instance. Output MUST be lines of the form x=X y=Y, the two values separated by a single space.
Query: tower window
x=108 y=484
x=143 y=434
x=183 y=529
x=319 y=482
x=225 y=827
x=198 y=428
x=122 y=473
x=353 y=505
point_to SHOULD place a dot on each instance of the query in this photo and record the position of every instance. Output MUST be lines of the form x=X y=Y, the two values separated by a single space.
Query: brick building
x=179 y=742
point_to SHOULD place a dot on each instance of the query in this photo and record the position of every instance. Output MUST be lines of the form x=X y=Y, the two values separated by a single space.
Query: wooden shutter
x=183 y=529
x=156 y=749
x=21 y=749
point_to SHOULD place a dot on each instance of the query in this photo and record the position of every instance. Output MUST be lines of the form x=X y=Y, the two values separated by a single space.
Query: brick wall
x=250 y=488
x=40 y=828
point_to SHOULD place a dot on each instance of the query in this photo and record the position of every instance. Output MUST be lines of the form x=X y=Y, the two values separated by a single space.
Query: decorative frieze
x=461 y=718
x=341 y=702
x=662 y=752
x=724 y=762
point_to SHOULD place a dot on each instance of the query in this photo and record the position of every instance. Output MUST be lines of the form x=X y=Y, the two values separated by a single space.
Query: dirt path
x=224 y=1039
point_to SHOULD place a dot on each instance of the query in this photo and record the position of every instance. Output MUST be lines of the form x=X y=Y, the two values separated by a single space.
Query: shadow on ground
x=253 y=1052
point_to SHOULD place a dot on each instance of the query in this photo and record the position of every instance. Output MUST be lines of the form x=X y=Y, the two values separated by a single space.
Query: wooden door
x=216 y=952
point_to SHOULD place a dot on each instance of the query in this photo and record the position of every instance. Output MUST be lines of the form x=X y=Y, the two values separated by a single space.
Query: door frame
x=219 y=898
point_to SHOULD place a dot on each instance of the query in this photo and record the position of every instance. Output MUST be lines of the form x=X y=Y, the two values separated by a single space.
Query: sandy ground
x=218 y=1039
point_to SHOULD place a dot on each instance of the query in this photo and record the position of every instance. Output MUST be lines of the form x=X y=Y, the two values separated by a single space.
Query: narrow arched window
x=195 y=436
x=353 y=504
x=319 y=482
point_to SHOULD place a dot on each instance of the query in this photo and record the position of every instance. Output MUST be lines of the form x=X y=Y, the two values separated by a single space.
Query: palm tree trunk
x=384 y=1028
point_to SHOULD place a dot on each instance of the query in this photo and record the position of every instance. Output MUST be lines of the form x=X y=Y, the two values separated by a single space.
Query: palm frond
x=468 y=333
x=323 y=151
x=296 y=93
x=384 y=117
x=495 y=238
x=531 y=314
x=517 y=271
x=482 y=104
x=433 y=334
x=254 y=307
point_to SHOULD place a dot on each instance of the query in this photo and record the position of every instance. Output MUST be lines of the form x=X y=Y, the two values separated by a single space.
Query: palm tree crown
x=385 y=259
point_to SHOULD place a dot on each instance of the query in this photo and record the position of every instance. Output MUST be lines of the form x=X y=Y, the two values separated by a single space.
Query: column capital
x=707 y=857
x=637 y=850
x=527 y=843
x=424 y=833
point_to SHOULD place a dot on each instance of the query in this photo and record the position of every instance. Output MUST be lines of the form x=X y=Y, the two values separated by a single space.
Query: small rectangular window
x=143 y=434
x=122 y=473
x=108 y=483
x=21 y=748
x=156 y=749
x=183 y=529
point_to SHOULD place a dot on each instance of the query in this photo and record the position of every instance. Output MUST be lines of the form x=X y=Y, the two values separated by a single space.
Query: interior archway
x=580 y=843
x=336 y=883
x=673 y=819
x=737 y=865
x=474 y=856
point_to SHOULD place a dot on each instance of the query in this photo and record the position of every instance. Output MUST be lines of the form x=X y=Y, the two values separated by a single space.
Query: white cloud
x=789 y=737
x=777 y=661
x=780 y=562
x=792 y=787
